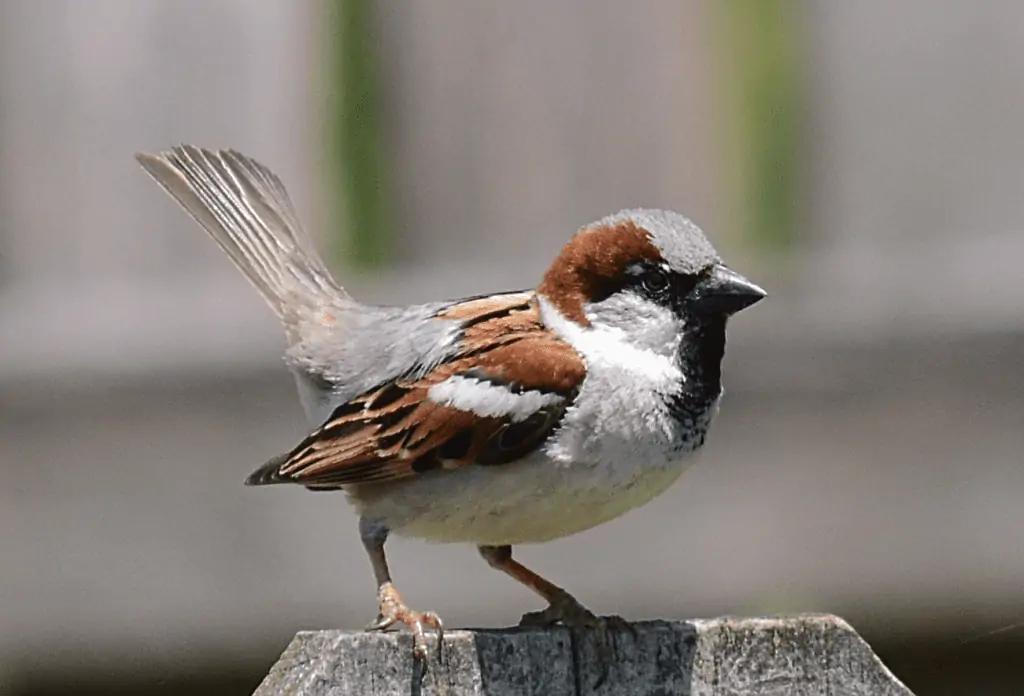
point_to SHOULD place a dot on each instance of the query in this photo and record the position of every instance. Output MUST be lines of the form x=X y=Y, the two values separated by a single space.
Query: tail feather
x=245 y=209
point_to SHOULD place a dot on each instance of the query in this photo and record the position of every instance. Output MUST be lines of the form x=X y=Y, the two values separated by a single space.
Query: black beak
x=723 y=291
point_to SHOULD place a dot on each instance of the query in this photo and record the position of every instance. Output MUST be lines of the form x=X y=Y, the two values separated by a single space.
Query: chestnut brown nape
x=592 y=265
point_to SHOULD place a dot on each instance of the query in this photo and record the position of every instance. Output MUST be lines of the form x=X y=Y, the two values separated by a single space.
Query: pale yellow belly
x=510 y=504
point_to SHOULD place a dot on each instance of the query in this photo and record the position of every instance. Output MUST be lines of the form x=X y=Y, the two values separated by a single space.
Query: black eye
x=655 y=281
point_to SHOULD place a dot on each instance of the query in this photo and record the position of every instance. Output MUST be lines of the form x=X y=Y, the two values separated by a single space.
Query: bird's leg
x=391 y=608
x=562 y=606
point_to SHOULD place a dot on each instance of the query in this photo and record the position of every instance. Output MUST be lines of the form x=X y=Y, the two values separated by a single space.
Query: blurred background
x=863 y=161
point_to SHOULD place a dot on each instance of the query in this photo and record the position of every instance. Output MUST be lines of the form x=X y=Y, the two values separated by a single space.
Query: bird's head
x=647 y=276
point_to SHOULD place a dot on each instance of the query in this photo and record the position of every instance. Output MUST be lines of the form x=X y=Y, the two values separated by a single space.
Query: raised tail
x=245 y=209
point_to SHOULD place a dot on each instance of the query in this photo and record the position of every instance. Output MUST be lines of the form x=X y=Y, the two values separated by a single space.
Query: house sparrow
x=495 y=420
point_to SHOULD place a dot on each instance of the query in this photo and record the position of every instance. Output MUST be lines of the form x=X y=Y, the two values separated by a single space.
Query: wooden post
x=792 y=656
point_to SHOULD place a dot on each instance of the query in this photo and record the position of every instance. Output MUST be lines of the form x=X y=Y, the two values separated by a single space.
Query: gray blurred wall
x=868 y=456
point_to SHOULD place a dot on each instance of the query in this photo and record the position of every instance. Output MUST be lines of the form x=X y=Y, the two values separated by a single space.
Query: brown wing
x=400 y=428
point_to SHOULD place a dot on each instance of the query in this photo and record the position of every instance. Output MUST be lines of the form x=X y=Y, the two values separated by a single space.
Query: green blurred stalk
x=358 y=145
x=762 y=40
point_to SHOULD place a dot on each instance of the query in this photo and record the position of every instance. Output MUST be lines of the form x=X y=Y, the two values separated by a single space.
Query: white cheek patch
x=490 y=400
x=609 y=347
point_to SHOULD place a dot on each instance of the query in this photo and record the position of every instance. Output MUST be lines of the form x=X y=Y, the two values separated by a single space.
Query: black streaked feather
x=269 y=473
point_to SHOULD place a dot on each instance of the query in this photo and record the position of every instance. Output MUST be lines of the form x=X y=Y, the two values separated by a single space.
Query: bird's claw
x=393 y=610
x=578 y=619
x=565 y=610
x=617 y=624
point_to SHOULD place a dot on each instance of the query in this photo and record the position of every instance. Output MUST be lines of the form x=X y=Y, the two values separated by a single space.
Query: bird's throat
x=700 y=359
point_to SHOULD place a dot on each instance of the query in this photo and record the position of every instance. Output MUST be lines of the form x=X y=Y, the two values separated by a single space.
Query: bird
x=495 y=420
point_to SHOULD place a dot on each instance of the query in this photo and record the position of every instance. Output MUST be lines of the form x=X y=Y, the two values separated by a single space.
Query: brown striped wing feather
x=396 y=430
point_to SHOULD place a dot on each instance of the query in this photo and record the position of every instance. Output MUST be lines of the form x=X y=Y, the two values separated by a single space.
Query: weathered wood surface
x=793 y=656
